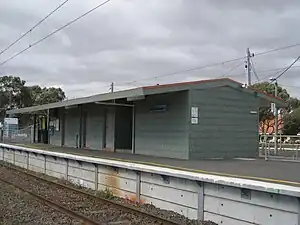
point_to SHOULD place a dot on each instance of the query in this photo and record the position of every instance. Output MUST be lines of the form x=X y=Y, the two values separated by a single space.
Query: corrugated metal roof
x=149 y=90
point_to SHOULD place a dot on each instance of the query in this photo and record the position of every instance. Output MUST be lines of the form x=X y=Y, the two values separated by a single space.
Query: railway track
x=56 y=206
x=65 y=199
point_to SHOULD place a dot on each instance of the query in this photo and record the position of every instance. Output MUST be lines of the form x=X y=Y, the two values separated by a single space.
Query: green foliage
x=14 y=90
x=292 y=122
x=46 y=95
x=265 y=113
x=14 y=93
x=291 y=117
x=294 y=103
x=270 y=89
x=106 y=193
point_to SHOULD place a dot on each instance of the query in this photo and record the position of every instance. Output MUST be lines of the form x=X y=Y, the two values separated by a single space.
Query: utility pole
x=275 y=112
x=10 y=101
x=111 y=87
x=276 y=120
x=274 y=104
x=248 y=68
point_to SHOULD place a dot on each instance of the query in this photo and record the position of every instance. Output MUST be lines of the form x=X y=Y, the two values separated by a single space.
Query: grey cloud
x=134 y=40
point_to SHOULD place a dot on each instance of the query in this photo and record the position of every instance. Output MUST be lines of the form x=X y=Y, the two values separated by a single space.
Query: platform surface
x=287 y=173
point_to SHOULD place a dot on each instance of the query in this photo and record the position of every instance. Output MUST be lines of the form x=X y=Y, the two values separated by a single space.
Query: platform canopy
x=141 y=92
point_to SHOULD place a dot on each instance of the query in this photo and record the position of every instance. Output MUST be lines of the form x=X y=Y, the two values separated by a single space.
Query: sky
x=135 y=42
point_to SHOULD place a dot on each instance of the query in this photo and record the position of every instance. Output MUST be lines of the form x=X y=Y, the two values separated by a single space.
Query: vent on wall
x=158 y=108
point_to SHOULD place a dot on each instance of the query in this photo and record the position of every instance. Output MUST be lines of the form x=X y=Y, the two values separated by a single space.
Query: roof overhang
x=265 y=99
x=130 y=95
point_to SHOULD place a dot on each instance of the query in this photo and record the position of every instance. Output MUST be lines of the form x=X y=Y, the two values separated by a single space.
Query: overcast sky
x=138 y=40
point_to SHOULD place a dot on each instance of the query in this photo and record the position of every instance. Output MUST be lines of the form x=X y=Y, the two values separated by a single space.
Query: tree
x=270 y=89
x=46 y=95
x=14 y=93
x=290 y=123
x=293 y=103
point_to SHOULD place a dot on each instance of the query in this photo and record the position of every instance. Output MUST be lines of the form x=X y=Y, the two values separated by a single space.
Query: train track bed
x=17 y=207
x=92 y=206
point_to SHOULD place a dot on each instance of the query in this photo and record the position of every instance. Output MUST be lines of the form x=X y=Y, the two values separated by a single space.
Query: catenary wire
x=277 y=49
x=283 y=72
x=285 y=69
x=232 y=69
x=254 y=70
x=215 y=64
x=54 y=32
x=32 y=28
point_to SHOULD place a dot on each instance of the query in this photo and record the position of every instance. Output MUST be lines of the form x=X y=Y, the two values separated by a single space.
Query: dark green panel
x=123 y=138
x=163 y=133
x=228 y=125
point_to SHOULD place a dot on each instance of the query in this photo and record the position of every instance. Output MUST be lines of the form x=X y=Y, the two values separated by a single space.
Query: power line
x=187 y=70
x=32 y=28
x=232 y=69
x=54 y=32
x=283 y=72
x=217 y=64
x=253 y=69
x=277 y=49
x=290 y=86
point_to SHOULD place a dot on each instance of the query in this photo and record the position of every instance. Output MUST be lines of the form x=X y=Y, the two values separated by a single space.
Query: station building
x=193 y=120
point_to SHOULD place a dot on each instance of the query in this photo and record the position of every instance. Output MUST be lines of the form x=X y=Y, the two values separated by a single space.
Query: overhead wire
x=216 y=64
x=277 y=49
x=54 y=32
x=283 y=72
x=285 y=69
x=232 y=69
x=160 y=76
x=188 y=70
x=253 y=69
x=32 y=28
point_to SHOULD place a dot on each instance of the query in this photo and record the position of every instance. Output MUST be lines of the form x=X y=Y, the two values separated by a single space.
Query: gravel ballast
x=19 y=208
x=89 y=206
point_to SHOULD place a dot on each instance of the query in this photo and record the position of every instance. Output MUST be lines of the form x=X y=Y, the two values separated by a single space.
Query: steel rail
x=56 y=206
x=127 y=208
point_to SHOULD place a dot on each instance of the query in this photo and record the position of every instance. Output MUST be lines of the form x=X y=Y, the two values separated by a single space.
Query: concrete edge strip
x=253 y=183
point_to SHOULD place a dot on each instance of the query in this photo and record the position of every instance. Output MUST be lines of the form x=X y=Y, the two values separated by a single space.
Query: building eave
x=130 y=94
x=140 y=93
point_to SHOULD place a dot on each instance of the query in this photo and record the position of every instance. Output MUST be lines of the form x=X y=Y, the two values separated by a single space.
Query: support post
x=133 y=131
x=27 y=161
x=80 y=126
x=47 y=126
x=276 y=120
x=248 y=68
x=62 y=126
x=85 y=115
x=34 y=128
x=14 y=156
x=112 y=87
x=201 y=201
x=138 y=186
x=67 y=169
x=45 y=164
x=2 y=153
x=96 y=177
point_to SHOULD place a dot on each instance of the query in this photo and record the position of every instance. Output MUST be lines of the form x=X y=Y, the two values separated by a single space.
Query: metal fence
x=23 y=135
x=288 y=147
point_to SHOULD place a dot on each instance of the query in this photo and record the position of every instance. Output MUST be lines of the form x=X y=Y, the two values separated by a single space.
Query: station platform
x=280 y=172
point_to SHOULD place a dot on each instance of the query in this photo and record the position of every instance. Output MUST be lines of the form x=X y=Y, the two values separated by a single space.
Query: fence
x=288 y=147
x=23 y=135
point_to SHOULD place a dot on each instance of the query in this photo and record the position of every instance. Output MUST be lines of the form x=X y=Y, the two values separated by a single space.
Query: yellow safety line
x=183 y=168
